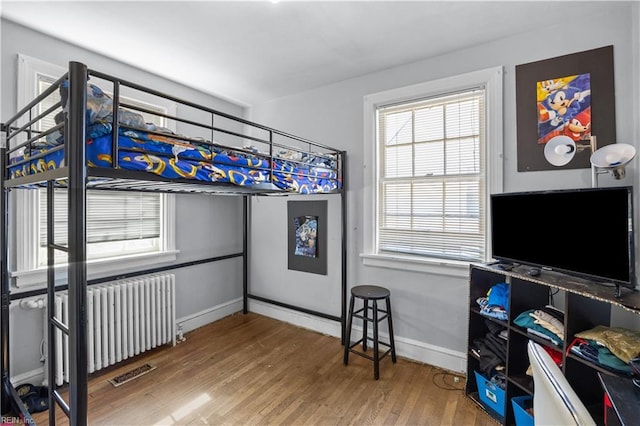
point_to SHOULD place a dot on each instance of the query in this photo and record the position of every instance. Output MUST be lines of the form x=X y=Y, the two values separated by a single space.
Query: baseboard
x=199 y=319
x=35 y=377
x=437 y=356
x=301 y=319
x=407 y=348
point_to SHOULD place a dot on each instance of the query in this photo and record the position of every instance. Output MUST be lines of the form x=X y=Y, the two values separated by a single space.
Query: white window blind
x=130 y=224
x=119 y=223
x=431 y=177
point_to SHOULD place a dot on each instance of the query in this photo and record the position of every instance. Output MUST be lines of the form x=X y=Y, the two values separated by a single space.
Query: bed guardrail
x=268 y=155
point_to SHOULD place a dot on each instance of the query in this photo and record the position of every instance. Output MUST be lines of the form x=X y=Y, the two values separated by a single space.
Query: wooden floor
x=254 y=370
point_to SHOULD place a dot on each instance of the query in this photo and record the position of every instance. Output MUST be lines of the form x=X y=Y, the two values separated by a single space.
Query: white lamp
x=559 y=150
x=611 y=158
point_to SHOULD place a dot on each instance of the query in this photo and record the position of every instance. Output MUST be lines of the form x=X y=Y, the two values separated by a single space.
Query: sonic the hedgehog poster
x=564 y=107
x=306 y=235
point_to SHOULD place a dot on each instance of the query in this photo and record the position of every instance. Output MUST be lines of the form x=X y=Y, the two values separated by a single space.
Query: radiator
x=124 y=318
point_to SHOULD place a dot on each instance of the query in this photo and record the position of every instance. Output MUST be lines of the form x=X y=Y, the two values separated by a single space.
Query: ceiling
x=254 y=51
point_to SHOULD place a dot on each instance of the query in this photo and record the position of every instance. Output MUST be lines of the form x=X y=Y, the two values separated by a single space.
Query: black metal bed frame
x=77 y=177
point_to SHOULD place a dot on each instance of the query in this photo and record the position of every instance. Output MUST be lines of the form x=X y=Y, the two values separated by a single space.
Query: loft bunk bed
x=96 y=140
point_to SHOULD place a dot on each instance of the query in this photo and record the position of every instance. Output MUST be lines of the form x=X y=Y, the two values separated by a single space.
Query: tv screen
x=588 y=232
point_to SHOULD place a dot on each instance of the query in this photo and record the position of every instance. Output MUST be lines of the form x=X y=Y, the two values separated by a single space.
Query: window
x=135 y=227
x=435 y=151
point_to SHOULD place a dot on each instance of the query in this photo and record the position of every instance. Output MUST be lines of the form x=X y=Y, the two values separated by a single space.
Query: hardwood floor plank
x=433 y=411
x=254 y=370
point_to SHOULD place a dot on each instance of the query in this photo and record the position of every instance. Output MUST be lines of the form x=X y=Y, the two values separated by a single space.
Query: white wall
x=430 y=312
x=207 y=226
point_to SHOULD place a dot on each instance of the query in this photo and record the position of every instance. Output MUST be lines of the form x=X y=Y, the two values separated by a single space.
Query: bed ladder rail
x=55 y=326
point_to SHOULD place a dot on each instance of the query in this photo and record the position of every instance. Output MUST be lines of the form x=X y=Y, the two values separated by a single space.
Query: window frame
x=491 y=79
x=27 y=273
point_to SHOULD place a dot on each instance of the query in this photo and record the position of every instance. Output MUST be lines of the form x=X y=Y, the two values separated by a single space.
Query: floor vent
x=132 y=374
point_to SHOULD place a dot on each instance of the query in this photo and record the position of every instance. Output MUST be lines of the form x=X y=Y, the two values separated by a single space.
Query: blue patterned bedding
x=172 y=157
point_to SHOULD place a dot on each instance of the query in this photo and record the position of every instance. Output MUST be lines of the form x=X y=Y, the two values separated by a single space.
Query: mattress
x=173 y=159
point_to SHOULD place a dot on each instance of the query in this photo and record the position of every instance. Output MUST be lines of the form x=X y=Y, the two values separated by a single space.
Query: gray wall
x=431 y=310
x=268 y=267
x=207 y=226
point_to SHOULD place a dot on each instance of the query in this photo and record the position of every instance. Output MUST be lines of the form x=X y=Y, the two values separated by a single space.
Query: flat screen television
x=586 y=232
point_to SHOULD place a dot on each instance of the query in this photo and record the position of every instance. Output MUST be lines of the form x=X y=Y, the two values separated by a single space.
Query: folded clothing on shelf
x=496 y=302
x=622 y=342
x=597 y=354
x=528 y=321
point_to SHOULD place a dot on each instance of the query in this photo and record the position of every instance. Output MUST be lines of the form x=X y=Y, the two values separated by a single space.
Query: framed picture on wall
x=307 y=236
x=560 y=104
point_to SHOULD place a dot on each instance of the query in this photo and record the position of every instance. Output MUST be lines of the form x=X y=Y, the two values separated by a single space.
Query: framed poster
x=560 y=103
x=307 y=236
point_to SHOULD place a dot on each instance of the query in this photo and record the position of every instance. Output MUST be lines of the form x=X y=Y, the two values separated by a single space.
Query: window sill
x=450 y=268
x=96 y=268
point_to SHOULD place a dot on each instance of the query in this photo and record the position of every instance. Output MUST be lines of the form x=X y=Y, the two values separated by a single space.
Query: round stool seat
x=370 y=292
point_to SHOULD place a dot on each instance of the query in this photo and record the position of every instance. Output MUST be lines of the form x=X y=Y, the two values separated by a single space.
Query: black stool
x=374 y=294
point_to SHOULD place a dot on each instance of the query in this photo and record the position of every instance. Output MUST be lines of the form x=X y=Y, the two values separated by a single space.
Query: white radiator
x=124 y=319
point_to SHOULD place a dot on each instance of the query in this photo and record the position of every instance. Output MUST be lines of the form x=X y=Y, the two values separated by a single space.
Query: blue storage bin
x=520 y=404
x=490 y=394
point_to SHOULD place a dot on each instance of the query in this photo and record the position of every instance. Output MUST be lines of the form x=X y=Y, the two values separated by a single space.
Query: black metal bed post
x=245 y=254
x=343 y=201
x=4 y=264
x=76 y=163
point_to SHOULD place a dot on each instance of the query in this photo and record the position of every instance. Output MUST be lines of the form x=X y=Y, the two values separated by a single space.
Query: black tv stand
x=585 y=304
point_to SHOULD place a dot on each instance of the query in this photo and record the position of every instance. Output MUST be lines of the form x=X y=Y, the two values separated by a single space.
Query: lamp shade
x=559 y=150
x=614 y=155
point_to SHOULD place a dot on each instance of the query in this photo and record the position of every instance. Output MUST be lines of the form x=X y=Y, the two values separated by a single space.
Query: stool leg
x=390 y=322
x=376 y=358
x=365 y=315
x=347 y=341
